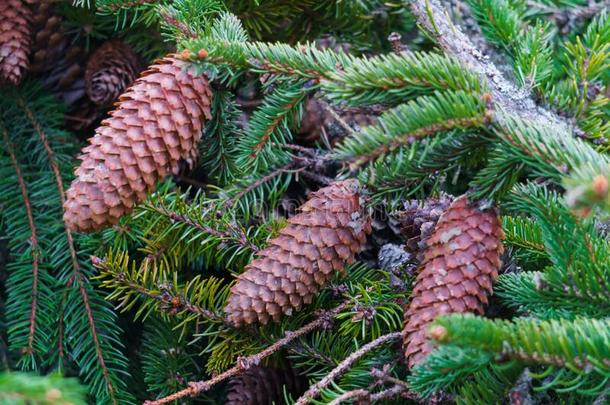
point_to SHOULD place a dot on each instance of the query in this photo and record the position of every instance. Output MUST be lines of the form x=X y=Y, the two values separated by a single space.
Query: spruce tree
x=272 y=201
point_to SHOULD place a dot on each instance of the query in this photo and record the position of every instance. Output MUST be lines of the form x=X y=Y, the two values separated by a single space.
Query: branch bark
x=433 y=18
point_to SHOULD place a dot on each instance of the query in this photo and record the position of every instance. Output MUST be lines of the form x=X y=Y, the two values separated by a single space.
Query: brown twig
x=318 y=178
x=391 y=392
x=262 y=180
x=338 y=118
x=171 y=19
x=239 y=235
x=243 y=363
x=315 y=389
x=74 y=260
x=433 y=18
x=33 y=239
x=350 y=395
x=566 y=16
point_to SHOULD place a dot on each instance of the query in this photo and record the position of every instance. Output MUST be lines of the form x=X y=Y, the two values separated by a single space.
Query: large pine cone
x=460 y=264
x=156 y=124
x=325 y=236
x=110 y=70
x=264 y=385
x=15 y=41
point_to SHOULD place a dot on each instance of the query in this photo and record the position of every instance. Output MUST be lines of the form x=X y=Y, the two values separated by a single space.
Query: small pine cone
x=264 y=385
x=15 y=41
x=460 y=263
x=48 y=37
x=56 y=61
x=417 y=220
x=110 y=70
x=325 y=236
x=156 y=125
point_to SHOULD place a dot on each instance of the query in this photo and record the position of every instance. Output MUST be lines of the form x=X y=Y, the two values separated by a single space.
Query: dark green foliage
x=167 y=361
x=67 y=320
x=442 y=124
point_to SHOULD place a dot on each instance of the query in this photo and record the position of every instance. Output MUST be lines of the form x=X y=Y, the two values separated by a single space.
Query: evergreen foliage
x=21 y=388
x=136 y=311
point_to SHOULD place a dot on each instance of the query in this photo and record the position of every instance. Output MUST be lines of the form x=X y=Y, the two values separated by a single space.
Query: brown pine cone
x=460 y=264
x=418 y=218
x=58 y=62
x=55 y=59
x=15 y=39
x=48 y=37
x=264 y=385
x=110 y=70
x=320 y=240
x=156 y=125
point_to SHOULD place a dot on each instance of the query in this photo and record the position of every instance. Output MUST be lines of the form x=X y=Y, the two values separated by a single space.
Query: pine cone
x=325 y=236
x=15 y=41
x=460 y=263
x=48 y=37
x=110 y=70
x=156 y=124
x=264 y=385
x=417 y=220
x=58 y=62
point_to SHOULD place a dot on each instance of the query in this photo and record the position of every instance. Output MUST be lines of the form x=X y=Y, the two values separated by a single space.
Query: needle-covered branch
x=196 y=388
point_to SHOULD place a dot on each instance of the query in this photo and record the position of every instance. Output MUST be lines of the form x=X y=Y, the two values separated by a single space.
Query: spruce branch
x=432 y=17
x=77 y=276
x=233 y=233
x=33 y=240
x=79 y=313
x=580 y=267
x=271 y=125
x=414 y=121
x=197 y=300
x=580 y=345
x=243 y=363
x=315 y=389
x=394 y=78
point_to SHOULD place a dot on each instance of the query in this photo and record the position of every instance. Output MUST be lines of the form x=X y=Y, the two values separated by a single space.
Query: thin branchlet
x=243 y=363
x=315 y=389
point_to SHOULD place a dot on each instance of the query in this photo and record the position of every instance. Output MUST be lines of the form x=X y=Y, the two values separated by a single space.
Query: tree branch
x=75 y=264
x=33 y=240
x=433 y=18
x=315 y=389
x=244 y=363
